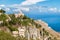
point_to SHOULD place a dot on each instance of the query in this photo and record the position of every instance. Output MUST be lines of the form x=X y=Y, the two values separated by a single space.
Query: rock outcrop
x=19 y=25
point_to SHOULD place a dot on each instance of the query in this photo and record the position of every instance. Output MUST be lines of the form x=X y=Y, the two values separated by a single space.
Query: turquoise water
x=52 y=20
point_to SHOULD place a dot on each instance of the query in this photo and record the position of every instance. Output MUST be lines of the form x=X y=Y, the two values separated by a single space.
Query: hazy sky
x=42 y=5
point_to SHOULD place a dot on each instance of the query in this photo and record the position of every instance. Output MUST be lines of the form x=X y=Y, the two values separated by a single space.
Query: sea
x=53 y=19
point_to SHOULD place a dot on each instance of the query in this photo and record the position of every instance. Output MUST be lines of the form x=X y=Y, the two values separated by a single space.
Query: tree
x=43 y=32
x=49 y=38
x=12 y=28
x=21 y=38
x=24 y=22
x=13 y=20
x=2 y=11
x=25 y=17
x=38 y=25
x=4 y=23
x=55 y=38
x=3 y=17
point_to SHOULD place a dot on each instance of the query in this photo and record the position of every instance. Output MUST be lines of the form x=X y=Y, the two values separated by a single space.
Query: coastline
x=49 y=29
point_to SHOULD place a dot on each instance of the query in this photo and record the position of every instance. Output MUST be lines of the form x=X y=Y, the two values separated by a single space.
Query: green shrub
x=6 y=36
x=4 y=23
x=2 y=11
x=21 y=38
x=3 y=17
x=12 y=28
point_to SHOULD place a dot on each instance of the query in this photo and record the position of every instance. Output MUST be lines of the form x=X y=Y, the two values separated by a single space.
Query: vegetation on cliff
x=12 y=23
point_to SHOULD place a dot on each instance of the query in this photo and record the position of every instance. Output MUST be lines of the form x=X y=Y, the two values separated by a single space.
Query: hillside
x=20 y=27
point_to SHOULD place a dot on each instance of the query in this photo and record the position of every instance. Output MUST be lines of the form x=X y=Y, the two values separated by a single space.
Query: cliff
x=21 y=27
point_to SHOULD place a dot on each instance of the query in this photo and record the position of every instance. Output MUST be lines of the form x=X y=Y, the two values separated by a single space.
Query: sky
x=47 y=10
x=7 y=2
x=31 y=5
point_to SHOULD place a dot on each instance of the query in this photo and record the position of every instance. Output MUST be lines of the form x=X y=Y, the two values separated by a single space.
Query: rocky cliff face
x=51 y=32
x=21 y=26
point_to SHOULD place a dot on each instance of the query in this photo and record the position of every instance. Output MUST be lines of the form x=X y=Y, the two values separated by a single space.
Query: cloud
x=48 y=9
x=53 y=9
x=2 y=5
x=0 y=8
x=14 y=5
x=58 y=10
x=7 y=9
x=16 y=10
x=30 y=2
x=26 y=2
x=25 y=9
x=43 y=9
x=22 y=8
x=18 y=7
